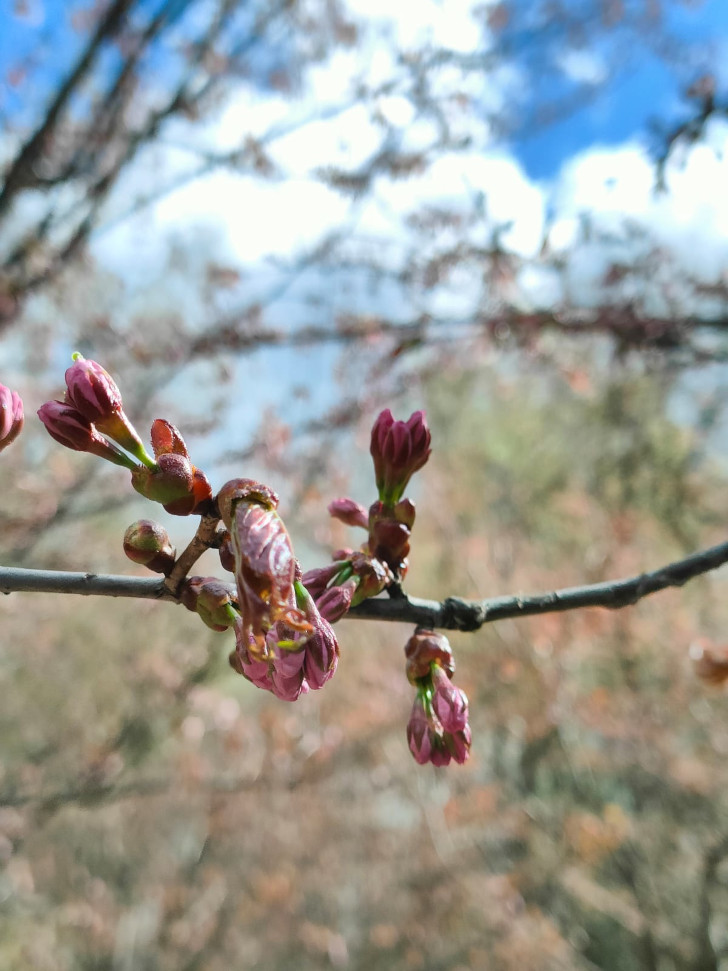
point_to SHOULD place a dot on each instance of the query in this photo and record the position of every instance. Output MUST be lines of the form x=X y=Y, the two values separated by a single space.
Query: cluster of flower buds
x=294 y=661
x=91 y=419
x=283 y=644
x=399 y=449
x=11 y=416
x=438 y=729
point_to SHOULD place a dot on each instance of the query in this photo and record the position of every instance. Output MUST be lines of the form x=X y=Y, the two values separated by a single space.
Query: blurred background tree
x=269 y=221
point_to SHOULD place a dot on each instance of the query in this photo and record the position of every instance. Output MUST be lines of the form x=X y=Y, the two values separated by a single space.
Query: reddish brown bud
x=148 y=543
x=178 y=486
x=247 y=490
x=166 y=439
x=424 y=648
x=399 y=449
x=69 y=427
x=225 y=551
x=11 y=416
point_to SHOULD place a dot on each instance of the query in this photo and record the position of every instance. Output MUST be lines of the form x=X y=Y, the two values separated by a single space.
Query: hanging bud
x=211 y=599
x=11 y=416
x=69 y=427
x=425 y=648
x=93 y=392
x=349 y=512
x=421 y=732
x=148 y=543
x=449 y=703
x=399 y=449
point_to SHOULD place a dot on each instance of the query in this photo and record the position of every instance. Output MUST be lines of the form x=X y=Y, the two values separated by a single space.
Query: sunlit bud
x=69 y=427
x=334 y=602
x=148 y=543
x=449 y=703
x=178 y=486
x=211 y=599
x=424 y=648
x=11 y=416
x=421 y=733
x=227 y=557
x=710 y=663
x=399 y=449
x=404 y=512
x=93 y=392
x=349 y=512
x=166 y=439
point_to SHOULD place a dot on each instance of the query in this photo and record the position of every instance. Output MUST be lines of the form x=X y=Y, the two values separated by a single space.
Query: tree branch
x=453 y=613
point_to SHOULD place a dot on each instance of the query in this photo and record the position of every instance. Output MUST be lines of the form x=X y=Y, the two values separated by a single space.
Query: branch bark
x=453 y=613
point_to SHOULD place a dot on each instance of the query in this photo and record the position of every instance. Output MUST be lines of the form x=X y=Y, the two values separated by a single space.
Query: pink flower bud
x=421 y=734
x=322 y=655
x=69 y=427
x=11 y=416
x=449 y=703
x=316 y=581
x=148 y=543
x=334 y=602
x=349 y=512
x=458 y=744
x=93 y=392
x=399 y=449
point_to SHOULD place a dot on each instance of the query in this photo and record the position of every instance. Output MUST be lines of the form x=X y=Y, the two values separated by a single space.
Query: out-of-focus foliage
x=155 y=812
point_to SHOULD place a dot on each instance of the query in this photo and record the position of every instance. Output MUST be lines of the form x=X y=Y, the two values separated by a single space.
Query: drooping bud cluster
x=11 y=416
x=294 y=661
x=438 y=729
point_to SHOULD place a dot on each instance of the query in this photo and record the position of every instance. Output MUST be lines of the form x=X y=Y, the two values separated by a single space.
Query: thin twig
x=203 y=540
x=453 y=613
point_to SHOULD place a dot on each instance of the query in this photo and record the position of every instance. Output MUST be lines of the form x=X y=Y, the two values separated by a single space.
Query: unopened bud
x=148 y=543
x=399 y=449
x=72 y=429
x=93 y=392
x=211 y=599
x=349 y=512
x=424 y=648
x=11 y=416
